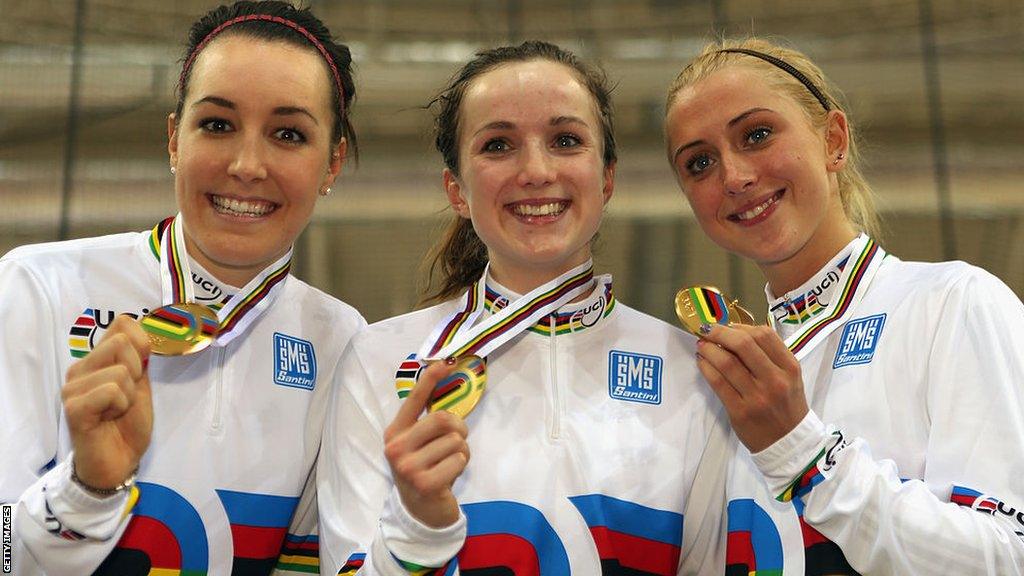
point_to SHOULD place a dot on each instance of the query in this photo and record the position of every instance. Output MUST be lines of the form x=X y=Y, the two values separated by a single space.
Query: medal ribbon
x=860 y=270
x=241 y=309
x=456 y=336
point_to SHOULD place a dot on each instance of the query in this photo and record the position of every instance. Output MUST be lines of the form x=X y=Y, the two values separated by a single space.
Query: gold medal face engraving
x=461 y=390
x=699 y=305
x=179 y=329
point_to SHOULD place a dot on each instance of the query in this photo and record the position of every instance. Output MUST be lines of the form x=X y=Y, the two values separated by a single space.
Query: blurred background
x=936 y=87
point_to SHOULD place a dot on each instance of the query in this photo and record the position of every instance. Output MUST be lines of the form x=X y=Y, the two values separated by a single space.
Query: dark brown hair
x=339 y=54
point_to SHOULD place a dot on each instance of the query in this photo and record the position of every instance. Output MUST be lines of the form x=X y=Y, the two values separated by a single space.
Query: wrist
x=411 y=542
x=436 y=511
x=103 y=491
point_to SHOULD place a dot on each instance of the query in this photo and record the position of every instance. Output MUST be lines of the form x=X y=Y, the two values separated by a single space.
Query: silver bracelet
x=125 y=485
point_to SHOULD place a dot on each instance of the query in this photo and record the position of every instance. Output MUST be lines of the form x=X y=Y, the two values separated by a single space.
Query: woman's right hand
x=427 y=454
x=108 y=406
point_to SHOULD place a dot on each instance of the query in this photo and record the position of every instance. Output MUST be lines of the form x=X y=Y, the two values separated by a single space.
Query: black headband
x=788 y=68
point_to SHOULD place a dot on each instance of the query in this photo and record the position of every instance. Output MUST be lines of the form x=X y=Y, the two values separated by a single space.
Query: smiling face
x=251 y=149
x=760 y=178
x=532 y=178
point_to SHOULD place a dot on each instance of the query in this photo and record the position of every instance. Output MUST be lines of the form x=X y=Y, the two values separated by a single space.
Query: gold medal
x=179 y=329
x=700 y=305
x=462 y=389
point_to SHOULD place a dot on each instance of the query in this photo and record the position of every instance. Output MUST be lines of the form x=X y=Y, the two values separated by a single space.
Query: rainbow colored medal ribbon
x=458 y=339
x=182 y=326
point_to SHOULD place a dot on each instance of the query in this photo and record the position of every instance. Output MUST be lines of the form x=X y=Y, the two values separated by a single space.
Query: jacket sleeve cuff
x=77 y=514
x=415 y=545
x=790 y=466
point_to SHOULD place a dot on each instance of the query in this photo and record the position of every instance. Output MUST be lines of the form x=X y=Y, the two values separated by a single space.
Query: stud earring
x=838 y=158
x=326 y=191
x=174 y=170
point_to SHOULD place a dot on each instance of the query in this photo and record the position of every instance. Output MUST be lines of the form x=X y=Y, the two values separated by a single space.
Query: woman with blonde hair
x=922 y=363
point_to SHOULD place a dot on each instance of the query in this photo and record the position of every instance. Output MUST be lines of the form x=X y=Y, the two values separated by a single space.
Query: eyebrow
x=567 y=120
x=277 y=111
x=505 y=125
x=729 y=124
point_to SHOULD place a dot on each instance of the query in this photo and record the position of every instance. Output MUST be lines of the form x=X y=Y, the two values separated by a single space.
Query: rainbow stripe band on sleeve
x=853 y=281
x=133 y=499
x=806 y=480
x=811 y=476
x=417 y=570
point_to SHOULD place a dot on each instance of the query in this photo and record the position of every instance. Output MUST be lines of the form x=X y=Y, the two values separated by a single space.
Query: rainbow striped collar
x=461 y=333
x=569 y=318
x=805 y=303
x=167 y=241
x=865 y=258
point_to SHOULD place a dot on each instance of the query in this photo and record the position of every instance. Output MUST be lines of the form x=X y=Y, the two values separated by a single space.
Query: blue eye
x=698 y=164
x=758 y=135
x=290 y=135
x=216 y=125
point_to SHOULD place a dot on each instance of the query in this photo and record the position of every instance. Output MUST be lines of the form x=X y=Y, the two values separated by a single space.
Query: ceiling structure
x=406 y=49
x=877 y=51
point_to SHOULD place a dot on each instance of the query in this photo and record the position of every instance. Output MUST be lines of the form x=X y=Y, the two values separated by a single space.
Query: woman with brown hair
x=167 y=449
x=586 y=443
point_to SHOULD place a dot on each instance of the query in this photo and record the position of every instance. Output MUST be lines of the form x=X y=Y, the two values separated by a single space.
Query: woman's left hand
x=757 y=379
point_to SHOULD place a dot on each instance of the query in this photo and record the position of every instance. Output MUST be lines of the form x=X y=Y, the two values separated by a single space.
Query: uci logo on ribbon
x=859 y=339
x=294 y=362
x=634 y=377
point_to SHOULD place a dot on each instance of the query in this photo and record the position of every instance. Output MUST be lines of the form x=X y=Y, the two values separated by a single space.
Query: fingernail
x=705 y=329
x=699 y=357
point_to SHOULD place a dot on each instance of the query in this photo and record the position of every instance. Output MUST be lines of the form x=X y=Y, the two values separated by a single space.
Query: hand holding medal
x=749 y=367
x=108 y=407
x=426 y=454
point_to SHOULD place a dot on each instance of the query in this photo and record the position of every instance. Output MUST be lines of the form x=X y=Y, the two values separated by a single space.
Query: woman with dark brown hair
x=586 y=444
x=146 y=456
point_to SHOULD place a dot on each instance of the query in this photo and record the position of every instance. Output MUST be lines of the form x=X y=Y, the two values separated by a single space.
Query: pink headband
x=268 y=18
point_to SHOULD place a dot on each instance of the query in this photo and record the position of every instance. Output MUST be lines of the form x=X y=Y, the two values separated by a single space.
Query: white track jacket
x=584 y=453
x=236 y=430
x=918 y=369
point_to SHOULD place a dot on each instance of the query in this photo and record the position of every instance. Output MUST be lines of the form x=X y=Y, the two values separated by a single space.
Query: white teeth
x=551 y=208
x=756 y=209
x=235 y=207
